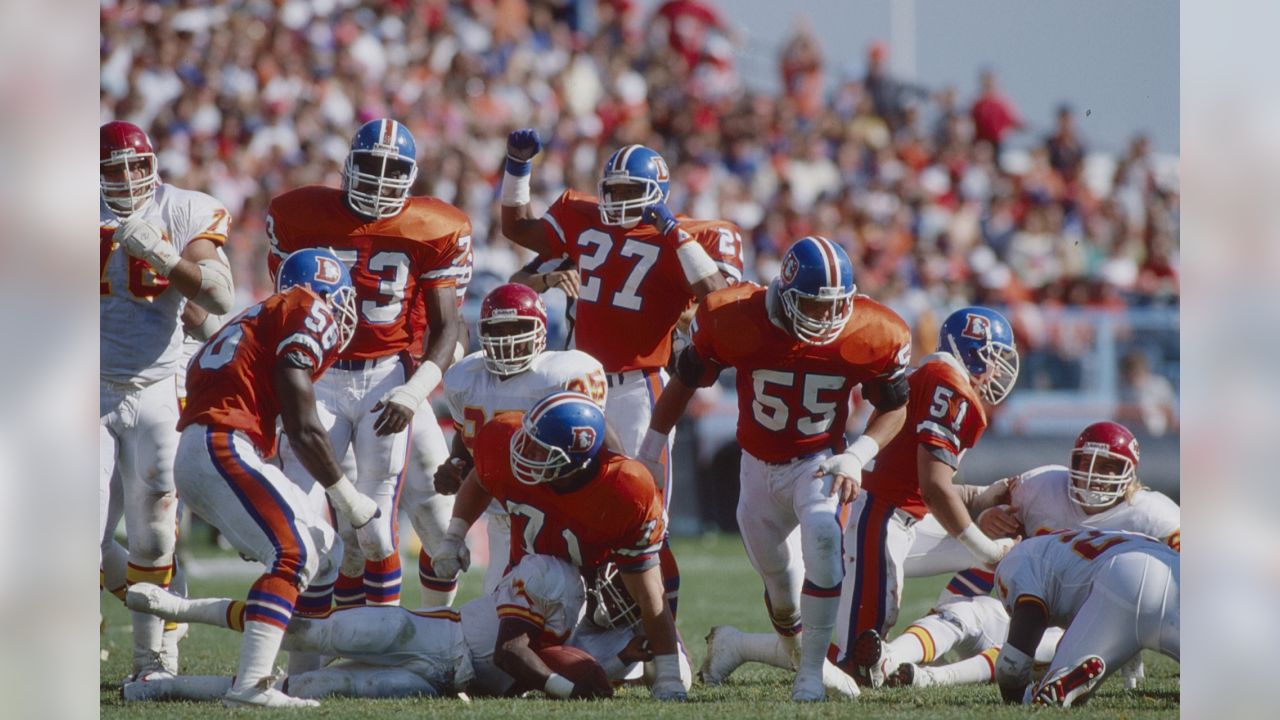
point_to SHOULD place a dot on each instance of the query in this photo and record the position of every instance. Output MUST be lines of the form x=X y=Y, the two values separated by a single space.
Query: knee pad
x=820 y=545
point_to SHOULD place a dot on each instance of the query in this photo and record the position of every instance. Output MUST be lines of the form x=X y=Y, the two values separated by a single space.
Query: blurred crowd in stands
x=941 y=200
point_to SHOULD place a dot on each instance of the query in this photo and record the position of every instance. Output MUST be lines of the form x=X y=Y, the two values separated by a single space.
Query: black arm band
x=887 y=395
x=694 y=371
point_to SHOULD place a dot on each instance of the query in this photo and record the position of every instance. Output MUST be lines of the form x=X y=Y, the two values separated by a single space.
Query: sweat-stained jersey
x=793 y=398
x=393 y=261
x=1044 y=507
x=615 y=515
x=633 y=288
x=476 y=395
x=944 y=415
x=139 y=315
x=1059 y=569
x=230 y=382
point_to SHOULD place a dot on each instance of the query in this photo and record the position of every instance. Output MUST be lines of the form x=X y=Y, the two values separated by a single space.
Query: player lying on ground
x=386 y=651
x=1115 y=593
x=1100 y=490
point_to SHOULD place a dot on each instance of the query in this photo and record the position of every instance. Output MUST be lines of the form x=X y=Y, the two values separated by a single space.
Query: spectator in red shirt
x=993 y=114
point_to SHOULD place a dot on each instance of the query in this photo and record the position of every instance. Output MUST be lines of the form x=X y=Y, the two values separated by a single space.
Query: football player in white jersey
x=159 y=248
x=389 y=651
x=1100 y=491
x=1116 y=594
x=512 y=371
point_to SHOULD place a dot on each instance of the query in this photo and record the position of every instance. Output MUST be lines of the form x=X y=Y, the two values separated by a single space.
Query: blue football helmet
x=321 y=271
x=561 y=434
x=381 y=168
x=982 y=340
x=816 y=288
x=634 y=178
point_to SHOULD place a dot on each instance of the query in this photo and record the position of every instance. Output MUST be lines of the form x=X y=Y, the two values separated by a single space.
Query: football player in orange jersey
x=570 y=497
x=799 y=347
x=976 y=363
x=258 y=369
x=400 y=251
x=639 y=268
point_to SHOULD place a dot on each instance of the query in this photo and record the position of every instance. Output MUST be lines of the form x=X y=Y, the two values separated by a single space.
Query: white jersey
x=1044 y=506
x=1059 y=569
x=475 y=395
x=543 y=590
x=139 y=314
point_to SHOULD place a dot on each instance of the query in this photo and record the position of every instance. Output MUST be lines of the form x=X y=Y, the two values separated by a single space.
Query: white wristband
x=652 y=446
x=343 y=494
x=424 y=380
x=558 y=686
x=1013 y=667
x=163 y=258
x=864 y=449
x=695 y=261
x=515 y=190
x=457 y=529
x=979 y=545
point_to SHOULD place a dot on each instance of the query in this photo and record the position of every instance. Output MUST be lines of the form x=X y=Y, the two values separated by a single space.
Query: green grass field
x=719 y=587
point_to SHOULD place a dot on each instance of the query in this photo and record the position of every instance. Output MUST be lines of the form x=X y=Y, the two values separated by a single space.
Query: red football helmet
x=124 y=151
x=1104 y=462
x=513 y=329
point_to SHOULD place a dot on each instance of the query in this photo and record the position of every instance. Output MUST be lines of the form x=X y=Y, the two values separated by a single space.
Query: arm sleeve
x=308 y=329
x=723 y=242
x=698 y=365
x=889 y=390
x=636 y=549
x=560 y=222
x=452 y=265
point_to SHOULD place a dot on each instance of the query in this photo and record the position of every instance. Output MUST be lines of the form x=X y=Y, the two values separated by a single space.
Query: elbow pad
x=207 y=329
x=887 y=395
x=216 y=290
x=694 y=371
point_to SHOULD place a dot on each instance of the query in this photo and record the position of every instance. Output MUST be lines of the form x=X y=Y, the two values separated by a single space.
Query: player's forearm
x=471 y=501
x=655 y=616
x=708 y=285
x=883 y=426
x=939 y=494
x=515 y=657
x=670 y=406
x=307 y=436
x=521 y=227
x=536 y=281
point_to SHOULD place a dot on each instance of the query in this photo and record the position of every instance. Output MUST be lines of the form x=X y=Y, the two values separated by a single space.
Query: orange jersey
x=944 y=415
x=616 y=515
x=230 y=382
x=393 y=261
x=793 y=398
x=633 y=288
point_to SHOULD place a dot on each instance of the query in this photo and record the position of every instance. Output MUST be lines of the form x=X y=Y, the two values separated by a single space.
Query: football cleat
x=150 y=599
x=871 y=655
x=1072 y=685
x=723 y=656
x=911 y=675
x=838 y=681
x=808 y=687
x=268 y=697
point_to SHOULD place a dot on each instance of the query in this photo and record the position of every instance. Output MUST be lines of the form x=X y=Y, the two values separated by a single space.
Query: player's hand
x=450 y=474
x=523 y=145
x=451 y=558
x=637 y=650
x=1004 y=545
x=359 y=509
x=567 y=280
x=397 y=410
x=846 y=472
x=1000 y=521
x=661 y=217
x=145 y=241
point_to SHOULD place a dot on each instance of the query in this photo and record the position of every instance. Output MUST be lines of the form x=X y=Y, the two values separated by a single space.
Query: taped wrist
x=1013 y=667
x=979 y=545
x=424 y=380
x=217 y=291
x=863 y=449
x=515 y=187
x=457 y=530
x=652 y=446
x=558 y=686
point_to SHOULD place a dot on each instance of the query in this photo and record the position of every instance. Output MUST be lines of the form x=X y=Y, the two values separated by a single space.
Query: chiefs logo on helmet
x=328 y=270
x=977 y=327
x=583 y=438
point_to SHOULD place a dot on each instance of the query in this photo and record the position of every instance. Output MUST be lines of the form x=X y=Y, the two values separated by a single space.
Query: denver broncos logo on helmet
x=327 y=270
x=583 y=438
x=790 y=267
x=977 y=327
x=660 y=165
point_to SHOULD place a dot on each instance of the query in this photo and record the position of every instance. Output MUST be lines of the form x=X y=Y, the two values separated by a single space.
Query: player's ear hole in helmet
x=1104 y=466
x=513 y=329
x=560 y=436
x=320 y=270
x=380 y=168
x=982 y=340
x=815 y=289
x=634 y=178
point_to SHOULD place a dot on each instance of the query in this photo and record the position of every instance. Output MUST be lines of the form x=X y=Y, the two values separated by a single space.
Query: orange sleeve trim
x=214 y=237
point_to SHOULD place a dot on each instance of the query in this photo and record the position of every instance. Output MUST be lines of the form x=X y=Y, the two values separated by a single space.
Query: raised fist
x=661 y=217
x=523 y=144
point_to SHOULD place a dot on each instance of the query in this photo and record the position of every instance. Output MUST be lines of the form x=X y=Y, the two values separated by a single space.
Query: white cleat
x=808 y=688
x=837 y=681
x=723 y=656
x=264 y=697
x=150 y=599
x=911 y=675
x=871 y=654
